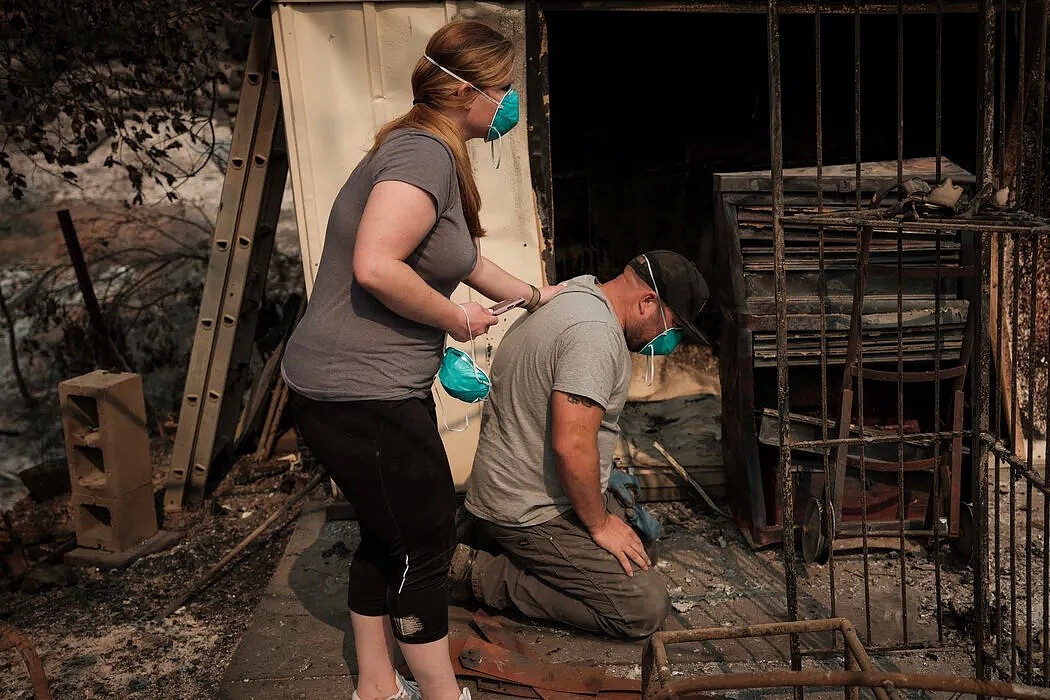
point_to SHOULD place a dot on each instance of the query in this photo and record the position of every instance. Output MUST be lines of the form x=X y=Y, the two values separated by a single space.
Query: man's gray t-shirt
x=573 y=344
x=348 y=345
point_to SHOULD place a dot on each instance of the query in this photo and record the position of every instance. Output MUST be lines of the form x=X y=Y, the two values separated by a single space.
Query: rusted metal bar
x=1017 y=181
x=788 y=7
x=1002 y=96
x=856 y=100
x=1018 y=435
x=1032 y=314
x=1003 y=222
x=900 y=324
x=787 y=489
x=822 y=287
x=911 y=438
x=868 y=679
x=1040 y=73
x=1020 y=468
x=13 y=638
x=887 y=529
x=827 y=653
x=985 y=153
x=1000 y=263
x=937 y=485
x=657 y=666
x=902 y=501
x=1046 y=537
x=938 y=88
x=900 y=376
x=978 y=452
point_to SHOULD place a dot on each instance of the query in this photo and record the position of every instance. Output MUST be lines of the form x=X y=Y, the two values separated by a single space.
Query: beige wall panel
x=345 y=70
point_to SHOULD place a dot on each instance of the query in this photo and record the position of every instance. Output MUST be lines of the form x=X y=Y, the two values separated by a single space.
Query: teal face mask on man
x=663 y=344
x=666 y=342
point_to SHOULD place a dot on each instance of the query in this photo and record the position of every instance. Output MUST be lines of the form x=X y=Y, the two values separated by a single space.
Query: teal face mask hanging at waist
x=461 y=377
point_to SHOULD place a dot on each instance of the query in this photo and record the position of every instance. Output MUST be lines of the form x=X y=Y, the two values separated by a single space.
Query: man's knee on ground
x=646 y=608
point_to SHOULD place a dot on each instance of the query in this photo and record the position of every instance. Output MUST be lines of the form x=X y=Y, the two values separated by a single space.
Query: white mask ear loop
x=473 y=346
x=474 y=364
x=496 y=159
x=448 y=427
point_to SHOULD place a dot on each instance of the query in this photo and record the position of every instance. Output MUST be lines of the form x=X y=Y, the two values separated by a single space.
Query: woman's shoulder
x=415 y=139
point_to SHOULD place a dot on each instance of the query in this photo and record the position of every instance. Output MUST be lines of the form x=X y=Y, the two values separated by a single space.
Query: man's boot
x=459 y=573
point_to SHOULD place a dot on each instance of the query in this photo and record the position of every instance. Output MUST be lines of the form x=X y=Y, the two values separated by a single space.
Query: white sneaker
x=406 y=690
x=465 y=695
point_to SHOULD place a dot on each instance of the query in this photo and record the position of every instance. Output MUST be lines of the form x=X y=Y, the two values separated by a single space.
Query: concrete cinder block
x=107 y=444
x=115 y=524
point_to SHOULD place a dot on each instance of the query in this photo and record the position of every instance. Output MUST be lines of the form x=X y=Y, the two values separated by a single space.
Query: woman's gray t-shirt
x=348 y=345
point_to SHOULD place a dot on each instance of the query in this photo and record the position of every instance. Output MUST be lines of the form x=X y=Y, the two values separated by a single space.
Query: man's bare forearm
x=580 y=475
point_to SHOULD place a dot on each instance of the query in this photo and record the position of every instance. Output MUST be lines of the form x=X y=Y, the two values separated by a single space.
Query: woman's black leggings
x=388 y=460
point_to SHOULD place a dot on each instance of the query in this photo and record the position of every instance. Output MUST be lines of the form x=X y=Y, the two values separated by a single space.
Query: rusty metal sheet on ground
x=473 y=656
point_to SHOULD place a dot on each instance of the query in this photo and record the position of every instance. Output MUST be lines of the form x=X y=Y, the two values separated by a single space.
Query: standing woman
x=402 y=234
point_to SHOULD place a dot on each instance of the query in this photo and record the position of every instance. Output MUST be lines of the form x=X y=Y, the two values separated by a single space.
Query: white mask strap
x=659 y=300
x=473 y=346
x=650 y=370
x=441 y=403
x=496 y=159
x=465 y=82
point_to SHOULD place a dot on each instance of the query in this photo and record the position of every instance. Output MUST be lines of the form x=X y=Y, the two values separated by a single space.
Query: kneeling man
x=539 y=482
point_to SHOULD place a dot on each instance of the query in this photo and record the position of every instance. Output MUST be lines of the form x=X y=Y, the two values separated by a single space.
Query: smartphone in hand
x=506 y=305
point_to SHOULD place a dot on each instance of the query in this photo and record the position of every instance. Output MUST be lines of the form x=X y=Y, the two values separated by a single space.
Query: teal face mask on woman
x=505 y=117
x=664 y=343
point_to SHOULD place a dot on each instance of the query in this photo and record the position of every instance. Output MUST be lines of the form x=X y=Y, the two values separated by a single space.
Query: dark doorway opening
x=657 y=102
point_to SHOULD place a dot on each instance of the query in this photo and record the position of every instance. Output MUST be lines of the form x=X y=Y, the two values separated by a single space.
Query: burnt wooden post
x=87 y=290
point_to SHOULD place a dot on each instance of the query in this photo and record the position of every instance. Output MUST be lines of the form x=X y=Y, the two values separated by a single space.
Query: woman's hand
x=479 y=318
x=548 y=292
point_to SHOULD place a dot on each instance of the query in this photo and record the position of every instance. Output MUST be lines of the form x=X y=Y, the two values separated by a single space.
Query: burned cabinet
x=897 y=327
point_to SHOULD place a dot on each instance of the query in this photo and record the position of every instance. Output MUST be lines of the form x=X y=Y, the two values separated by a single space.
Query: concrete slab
x=299 y=642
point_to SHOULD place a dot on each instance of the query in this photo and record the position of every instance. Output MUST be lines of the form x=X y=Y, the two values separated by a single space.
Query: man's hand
x=620 y=540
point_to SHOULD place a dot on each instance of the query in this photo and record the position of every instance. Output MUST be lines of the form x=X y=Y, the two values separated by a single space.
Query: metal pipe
x=868 y=679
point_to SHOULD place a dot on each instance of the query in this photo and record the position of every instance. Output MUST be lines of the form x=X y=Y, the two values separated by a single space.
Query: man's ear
x=461 y=90
x=647 y=299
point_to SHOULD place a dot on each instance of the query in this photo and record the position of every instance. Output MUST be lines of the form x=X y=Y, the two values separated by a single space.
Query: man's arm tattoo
x=576 y=398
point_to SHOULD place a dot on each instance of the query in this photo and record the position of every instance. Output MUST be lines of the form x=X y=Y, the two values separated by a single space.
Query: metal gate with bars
x=994 y=509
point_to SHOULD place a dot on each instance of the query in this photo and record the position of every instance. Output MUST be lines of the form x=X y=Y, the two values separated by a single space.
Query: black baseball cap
x=678 y=283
